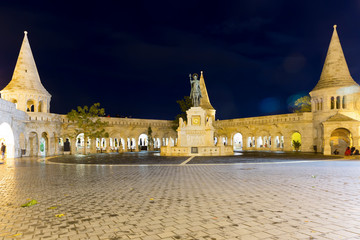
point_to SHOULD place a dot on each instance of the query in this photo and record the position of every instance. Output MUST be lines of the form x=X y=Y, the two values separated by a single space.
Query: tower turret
x=335 y=72
x=204 y=101
x=336 y=88
x=25 y=88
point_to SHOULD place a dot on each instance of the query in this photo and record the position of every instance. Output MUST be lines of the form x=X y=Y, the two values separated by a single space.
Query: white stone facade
x=334 y=122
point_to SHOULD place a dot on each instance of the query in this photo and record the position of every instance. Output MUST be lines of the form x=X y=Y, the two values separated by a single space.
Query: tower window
x=343 y=102
x=317 y=105
x=332 y=105
x=30 y=106
x=337 y=102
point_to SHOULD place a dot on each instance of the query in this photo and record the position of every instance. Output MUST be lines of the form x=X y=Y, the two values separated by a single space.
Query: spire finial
x=25 y=32
x=335 y=26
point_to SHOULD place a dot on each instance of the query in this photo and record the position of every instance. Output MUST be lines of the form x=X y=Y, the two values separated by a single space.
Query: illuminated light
x=7 y=137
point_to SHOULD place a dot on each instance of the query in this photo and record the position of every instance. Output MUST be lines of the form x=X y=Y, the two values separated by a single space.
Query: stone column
x=72 y=146
x=124 y=146
x=36 y=105
x=93 y=145
x=287 y=143
x=51 y=147
x=56 y=146
x=327 y=147
x=273 y=143
x=136 y=145
x=244 y=142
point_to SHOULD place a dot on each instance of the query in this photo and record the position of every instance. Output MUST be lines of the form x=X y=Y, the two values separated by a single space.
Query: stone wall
x=15 y=120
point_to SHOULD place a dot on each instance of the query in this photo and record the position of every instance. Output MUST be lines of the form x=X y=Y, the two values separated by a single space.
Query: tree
x=87 y=121
x=302 y=104
x=184 y=104
x=150 y=139
x=296 y=144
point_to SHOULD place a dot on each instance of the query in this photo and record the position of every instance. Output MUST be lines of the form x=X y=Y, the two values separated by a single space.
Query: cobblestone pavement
x=272 y=200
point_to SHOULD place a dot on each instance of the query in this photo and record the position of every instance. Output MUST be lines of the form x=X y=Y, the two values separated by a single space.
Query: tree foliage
x=184 y=104
x=296 y=144
x=87 y=120
x=302 y=104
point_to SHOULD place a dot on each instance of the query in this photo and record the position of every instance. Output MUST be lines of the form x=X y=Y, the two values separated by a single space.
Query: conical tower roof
x=335 y=72
x=25 y=77
x=204 y=100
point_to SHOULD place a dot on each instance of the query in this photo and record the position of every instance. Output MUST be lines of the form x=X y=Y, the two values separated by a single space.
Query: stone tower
x=335 y=90
x=25 y=88
x=335 y=95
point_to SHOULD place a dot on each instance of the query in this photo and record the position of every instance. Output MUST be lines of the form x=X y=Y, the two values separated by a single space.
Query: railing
x=272 y=119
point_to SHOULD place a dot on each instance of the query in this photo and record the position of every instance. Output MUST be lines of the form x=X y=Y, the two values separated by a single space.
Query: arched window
x=332 y=102
x=30 y=106
x=337 y=102
x=343 y=102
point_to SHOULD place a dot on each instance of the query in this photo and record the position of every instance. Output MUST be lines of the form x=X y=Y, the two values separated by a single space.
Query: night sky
x=134 y=57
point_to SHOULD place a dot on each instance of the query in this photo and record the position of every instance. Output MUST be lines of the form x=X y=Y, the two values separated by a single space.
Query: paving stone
x=267 y=201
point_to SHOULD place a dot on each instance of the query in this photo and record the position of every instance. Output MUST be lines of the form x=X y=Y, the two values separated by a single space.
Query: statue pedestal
x=196 y=137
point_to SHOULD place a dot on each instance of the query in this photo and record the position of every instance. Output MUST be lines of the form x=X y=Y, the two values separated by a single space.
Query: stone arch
x=250 y=141
x=81 y=144
x=143 y=141
x=338 y=103
x=79 y=141
x=237 y=141
x=279 y=140
x=44 y=144
x=263 y=139
x=340 y=139
x=7 y=137
x=131 y=144
x=295 y=139
x=30 y=105
x=157 y=143
x=332 y=103
x=103 y=144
